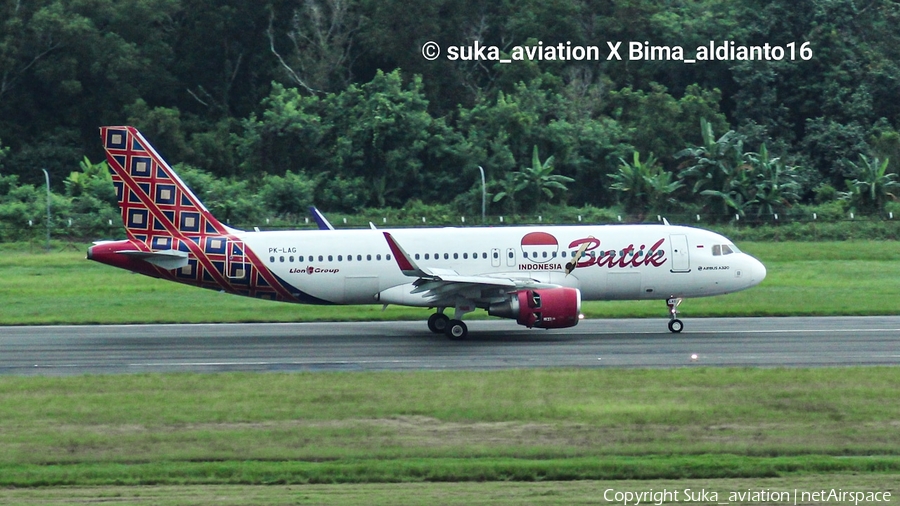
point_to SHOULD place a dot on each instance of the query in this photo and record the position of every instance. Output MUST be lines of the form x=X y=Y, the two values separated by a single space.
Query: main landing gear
x=675 y=325
x=455 y=329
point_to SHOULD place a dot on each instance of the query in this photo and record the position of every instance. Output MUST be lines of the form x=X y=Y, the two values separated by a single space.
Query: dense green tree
x=643 y=186
x=873 y=186
x=340 y=87
x=538 y=182
x=776 y=184
x=94 y=206
x=288 y=195
x=660 y=123
x=716 y=168
x=536 y=114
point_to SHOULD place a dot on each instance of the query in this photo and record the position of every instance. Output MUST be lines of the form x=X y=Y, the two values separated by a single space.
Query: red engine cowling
x=550 y=308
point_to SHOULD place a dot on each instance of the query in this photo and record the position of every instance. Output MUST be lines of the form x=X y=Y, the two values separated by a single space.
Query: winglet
x=406 y=264
x=321 y=221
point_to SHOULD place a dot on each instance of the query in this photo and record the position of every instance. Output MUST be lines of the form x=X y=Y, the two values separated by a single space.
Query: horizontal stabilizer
x=169 y=259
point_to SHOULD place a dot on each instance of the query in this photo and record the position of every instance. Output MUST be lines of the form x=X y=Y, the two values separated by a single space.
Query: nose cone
x=756 y=271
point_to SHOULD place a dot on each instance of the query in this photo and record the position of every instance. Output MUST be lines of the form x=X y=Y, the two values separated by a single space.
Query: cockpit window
x=724 y=249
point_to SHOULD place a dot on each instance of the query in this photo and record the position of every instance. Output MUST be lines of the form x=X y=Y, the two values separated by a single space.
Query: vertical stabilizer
x=156 y=205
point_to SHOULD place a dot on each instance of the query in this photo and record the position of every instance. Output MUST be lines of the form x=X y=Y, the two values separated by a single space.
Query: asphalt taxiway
x=491 y=344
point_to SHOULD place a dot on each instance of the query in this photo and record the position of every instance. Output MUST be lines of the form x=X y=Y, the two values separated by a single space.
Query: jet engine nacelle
x=550 y=308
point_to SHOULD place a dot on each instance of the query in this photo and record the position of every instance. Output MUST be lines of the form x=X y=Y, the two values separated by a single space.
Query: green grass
x=205 y=439
x=840 y=278
x=567 y=493
x=443 y=426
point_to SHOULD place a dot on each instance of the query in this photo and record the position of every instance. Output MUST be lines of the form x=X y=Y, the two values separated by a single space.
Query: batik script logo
x=626 y=258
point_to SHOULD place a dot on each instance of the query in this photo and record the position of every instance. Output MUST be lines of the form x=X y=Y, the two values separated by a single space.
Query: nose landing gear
x=675 y=325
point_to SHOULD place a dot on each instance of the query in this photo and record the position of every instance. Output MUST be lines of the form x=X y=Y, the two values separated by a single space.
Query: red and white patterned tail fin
x=156 y=205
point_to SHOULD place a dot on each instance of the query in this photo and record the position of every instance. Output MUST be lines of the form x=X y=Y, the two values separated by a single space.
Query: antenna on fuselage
x=571 y=265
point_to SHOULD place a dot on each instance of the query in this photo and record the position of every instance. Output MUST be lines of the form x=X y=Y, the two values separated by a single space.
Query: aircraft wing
x=446 y=284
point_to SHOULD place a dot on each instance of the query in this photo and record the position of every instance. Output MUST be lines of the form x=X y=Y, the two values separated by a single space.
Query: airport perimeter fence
x=793 y=226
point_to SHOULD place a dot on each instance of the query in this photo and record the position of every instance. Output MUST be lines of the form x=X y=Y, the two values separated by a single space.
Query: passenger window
x=281 y=259
x=446 y=256
x=340 y=258
x=496 y=255
x=290 y=259
x=484 y=256
x=417 y=256
x=300 y=258
x=510 y=254
x=272 y=259
x=369 y=258
x=349 y=258
x=387 y=257
x=321 y=258
x=359 y=258
x=456 y=256
x=377 y=257
x=545 y=254
x=330 y=258
x=426 y=256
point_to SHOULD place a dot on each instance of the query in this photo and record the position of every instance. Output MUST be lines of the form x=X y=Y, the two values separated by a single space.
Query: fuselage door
x=681 y=260
x=235 y=260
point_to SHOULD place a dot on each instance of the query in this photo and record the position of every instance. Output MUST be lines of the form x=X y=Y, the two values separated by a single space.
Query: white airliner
x=535 y=275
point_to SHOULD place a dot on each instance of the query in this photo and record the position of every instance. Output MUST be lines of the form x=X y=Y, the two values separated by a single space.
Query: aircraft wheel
x=457 y=330
x=437 y=323
x=675 y=326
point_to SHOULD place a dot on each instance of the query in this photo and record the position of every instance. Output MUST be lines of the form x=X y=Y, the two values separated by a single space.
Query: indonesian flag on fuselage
x=536 y=244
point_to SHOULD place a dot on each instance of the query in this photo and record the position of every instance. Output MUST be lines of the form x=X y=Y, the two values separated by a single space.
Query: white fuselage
x=620 y=262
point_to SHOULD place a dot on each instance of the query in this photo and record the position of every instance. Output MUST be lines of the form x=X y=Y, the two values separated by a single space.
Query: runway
x=492 y=344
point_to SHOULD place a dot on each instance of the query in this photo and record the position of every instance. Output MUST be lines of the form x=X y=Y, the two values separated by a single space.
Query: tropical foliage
x=873 y=186
x=273 y=106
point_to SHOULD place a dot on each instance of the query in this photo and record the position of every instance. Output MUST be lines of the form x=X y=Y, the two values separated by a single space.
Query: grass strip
x=527 y=425
x=437 y=470
x=734 y=491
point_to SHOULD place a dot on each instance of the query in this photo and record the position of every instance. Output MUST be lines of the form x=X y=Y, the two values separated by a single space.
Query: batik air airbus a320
x=537 y=276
